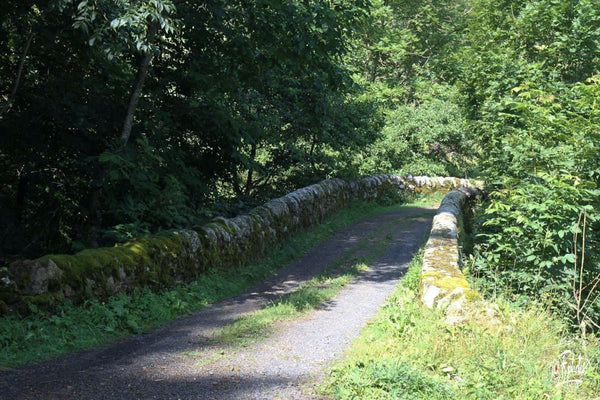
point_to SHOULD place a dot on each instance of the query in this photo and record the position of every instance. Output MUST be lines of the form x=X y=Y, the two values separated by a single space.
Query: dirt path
x=172 y=363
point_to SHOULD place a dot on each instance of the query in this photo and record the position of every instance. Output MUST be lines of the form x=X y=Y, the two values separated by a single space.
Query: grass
x=498 y=352
x=41 y=336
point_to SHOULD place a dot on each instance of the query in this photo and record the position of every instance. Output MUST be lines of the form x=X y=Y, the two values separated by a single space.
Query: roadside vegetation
x=499 y=351
x=507 y=92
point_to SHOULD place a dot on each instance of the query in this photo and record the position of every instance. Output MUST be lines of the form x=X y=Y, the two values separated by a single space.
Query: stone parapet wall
x=442 y=284
x=180 y=256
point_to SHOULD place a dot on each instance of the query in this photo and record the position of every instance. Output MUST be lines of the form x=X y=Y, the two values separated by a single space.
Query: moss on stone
x=451 y=270
x=452 y=282
x=431 y=276
x=147 y=259
x=441 y=259
x=444 y=266
x=424 y=190
x=472 y=295
x=210 y=249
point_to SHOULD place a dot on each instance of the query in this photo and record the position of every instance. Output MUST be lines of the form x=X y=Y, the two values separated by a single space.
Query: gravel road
x=173 y=362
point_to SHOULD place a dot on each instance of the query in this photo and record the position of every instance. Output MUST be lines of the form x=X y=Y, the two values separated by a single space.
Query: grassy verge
x=498 y=352
x=41 y=336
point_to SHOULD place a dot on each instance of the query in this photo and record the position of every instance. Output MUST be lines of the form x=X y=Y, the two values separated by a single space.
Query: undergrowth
x=42 y=335
x=499 y=352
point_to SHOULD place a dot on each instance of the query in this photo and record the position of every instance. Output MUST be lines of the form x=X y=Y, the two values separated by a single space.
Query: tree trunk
x=311 y=157
x=100 y=175
x=135 y=97
x=137 y=87
x=250 y=170
x=13 y=93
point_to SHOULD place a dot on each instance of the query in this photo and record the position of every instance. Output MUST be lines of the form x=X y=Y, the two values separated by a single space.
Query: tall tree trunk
x=373 y=70
x=13 y=93
x=136 y=91
x=250 y=170
x=311 y=154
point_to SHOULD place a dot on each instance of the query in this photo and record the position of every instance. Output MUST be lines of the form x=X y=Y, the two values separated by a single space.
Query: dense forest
x=126 y=117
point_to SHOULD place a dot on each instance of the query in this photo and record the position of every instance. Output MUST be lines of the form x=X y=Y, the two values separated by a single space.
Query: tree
x=162 y=112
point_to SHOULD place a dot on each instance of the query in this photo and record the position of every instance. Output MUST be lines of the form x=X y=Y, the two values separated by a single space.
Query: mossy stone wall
x=442 y=284
x=163 y=260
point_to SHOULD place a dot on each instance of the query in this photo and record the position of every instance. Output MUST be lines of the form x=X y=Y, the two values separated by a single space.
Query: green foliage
x=241 y=101
x=426 y=137
x=398 y=40
x=119 y=25
x=143 y=194
x=398 y=57
x=526 y=244
x=388 y=379
x=530 y=97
